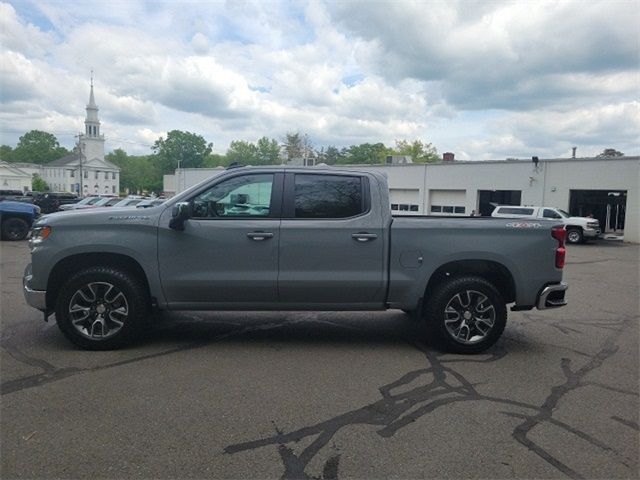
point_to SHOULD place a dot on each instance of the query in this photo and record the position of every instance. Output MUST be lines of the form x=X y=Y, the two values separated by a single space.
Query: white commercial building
x=606 y=188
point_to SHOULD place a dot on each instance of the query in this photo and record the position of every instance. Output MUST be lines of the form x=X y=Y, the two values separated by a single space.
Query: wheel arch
x=22 y=216
x=491 y=270
x=67 y=266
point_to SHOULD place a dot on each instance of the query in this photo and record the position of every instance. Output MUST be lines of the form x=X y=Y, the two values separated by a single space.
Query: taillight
x=560 y=234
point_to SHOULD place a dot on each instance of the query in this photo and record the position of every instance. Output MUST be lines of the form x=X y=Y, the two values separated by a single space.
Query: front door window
x=245 y=196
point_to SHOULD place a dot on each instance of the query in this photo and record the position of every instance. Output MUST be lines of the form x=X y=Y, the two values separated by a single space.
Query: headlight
x=39 y=235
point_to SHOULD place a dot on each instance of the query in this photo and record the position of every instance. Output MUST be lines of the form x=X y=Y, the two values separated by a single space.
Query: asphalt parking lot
x=330 y=395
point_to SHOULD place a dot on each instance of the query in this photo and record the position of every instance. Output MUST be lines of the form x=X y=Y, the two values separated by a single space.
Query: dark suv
x=50 y=202
x=13 y=195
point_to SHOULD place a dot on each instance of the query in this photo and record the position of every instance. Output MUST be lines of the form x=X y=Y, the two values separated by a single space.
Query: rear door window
x=328 y=196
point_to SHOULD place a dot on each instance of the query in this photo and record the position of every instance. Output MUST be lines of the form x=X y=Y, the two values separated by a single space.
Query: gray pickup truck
x=278 y=238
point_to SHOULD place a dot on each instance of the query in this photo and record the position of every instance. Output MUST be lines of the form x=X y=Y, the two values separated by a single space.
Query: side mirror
x=179 y=215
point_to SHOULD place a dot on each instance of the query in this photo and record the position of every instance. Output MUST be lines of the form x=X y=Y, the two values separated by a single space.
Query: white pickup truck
x=579 y=229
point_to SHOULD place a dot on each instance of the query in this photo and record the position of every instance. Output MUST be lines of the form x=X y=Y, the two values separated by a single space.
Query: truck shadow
x=383 y=328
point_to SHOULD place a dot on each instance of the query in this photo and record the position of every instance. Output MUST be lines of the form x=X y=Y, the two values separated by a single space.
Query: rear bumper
x=35 y=298
x=552 y=296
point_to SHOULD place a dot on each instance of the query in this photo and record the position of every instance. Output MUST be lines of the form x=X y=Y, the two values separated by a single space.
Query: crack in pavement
x=395 y=411
x=52 y=373
x=398 y=407
x=628 y=423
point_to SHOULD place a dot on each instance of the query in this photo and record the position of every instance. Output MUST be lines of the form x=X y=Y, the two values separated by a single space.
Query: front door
x=228 y=250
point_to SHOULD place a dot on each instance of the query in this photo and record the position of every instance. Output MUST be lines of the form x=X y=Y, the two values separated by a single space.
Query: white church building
x=84 y=171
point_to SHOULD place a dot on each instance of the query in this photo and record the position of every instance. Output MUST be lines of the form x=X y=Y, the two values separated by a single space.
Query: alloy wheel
x=469 y=316
x=98 y=310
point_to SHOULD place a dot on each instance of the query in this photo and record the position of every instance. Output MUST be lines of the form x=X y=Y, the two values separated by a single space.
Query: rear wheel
x=15 y=229
x=574 y=235
x=466 y=314
x=102 y=308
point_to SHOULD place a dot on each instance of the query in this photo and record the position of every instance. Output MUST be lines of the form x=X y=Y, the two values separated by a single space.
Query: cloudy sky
x=483 y=79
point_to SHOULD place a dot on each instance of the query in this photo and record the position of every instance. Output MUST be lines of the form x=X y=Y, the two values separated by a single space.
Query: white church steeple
x=92 y=141
x=92 y=123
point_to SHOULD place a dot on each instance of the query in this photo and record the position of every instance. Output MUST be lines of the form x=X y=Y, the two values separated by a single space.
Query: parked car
x=50 y=202
x=29 y=197
x=16 y=219
x=106 y=202
x=80 y=204
x=325 y=241
x=12 y=195
x=129 y=202
x=579 y=229
x=151 y=203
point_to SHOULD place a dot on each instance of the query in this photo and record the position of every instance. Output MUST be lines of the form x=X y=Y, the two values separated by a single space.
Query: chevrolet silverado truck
x=281 y=238
x=579 y=229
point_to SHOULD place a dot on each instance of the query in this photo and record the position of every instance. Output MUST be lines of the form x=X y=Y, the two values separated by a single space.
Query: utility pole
x=79 y=147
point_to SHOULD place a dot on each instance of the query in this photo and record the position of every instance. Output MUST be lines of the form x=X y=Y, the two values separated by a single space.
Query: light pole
x=79 y=146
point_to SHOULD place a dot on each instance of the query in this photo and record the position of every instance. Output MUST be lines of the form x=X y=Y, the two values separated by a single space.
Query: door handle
x=259 y=236
x=364 y=237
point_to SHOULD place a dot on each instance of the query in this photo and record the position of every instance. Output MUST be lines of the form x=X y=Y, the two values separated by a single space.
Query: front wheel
x=15 y=229
x=466 y=314
x=101 y=308
x=574 y=235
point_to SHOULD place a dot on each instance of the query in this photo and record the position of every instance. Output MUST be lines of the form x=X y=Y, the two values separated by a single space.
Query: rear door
x=331 y=242
x=227 y=254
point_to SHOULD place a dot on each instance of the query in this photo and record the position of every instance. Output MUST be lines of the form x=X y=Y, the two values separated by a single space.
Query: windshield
x=88 y=200
x=563 y=213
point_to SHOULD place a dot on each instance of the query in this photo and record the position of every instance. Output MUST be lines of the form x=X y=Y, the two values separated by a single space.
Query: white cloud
x=482 y=79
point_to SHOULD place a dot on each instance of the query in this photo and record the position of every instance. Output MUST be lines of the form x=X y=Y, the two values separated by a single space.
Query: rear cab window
x=515 y=211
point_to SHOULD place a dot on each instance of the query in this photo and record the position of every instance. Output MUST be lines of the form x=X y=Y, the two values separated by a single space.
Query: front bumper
x=35 y=298
x=552 y=296
x=591 y=233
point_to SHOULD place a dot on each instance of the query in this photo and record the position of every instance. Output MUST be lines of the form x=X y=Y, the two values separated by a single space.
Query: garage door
x=447 y=202
x=405 y=201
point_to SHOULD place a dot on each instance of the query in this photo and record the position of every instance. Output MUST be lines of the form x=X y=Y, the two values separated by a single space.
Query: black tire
x=127 y=295
x=486 y=305
x=574 y=235
x=15 y=229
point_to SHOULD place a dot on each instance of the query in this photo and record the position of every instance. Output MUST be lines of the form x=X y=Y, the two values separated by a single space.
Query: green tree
x=6 y=153
x=610 y=152
x=215 y=160
x=37 y=146
x=297 y=145
x=184 y=148
x=38 y=184
x=331 y=155
x=244 y=153
x=365 y=153
x=137 y=173
x=268 y=151
x=419 y=151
